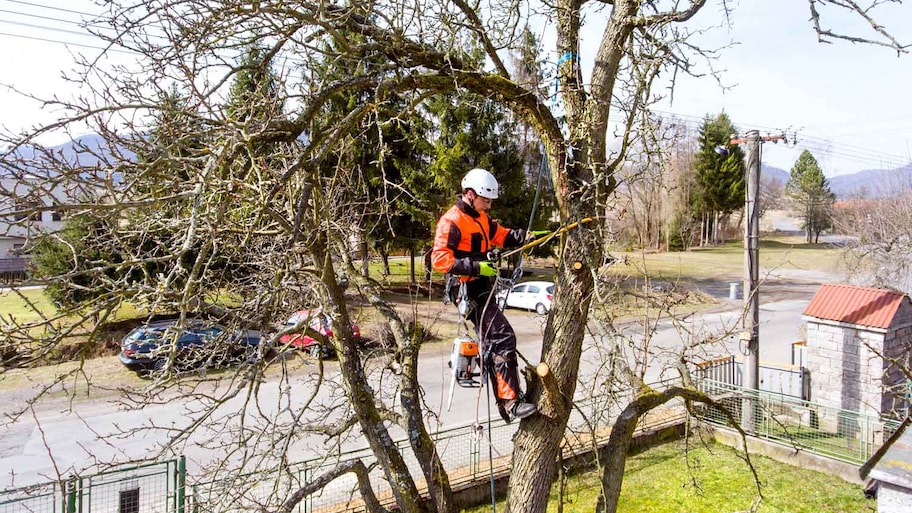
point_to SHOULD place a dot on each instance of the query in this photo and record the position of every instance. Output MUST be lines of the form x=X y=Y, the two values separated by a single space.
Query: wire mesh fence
x=148 y=488
x=471 y=453
x=840 y=434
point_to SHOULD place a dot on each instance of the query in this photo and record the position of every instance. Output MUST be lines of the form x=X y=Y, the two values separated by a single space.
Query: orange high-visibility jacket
x=463 y=238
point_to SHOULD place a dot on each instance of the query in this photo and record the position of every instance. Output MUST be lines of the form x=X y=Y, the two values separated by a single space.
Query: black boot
x=520 y=409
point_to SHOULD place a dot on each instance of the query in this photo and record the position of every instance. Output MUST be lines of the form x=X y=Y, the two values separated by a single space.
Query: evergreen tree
x=254 y=94
x=529 y=71
x=474 y=132
x=811 y=196
x=719 y=189
x=385 y=158
x=72 y=256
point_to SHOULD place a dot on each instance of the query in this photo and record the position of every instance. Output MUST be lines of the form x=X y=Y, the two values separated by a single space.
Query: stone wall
x=898 y=353
x=846 y=371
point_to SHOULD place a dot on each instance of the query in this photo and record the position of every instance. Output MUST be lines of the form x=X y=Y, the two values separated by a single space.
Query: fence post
x=70 y=489
x=181 y=484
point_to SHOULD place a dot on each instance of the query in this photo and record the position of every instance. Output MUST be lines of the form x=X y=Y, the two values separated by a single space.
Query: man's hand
x=536 y=234
x=487 y=269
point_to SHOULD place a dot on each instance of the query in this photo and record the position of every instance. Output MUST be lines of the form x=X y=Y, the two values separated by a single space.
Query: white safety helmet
x=482 y=182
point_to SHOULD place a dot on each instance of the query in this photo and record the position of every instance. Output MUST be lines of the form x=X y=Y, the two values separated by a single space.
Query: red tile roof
x=855 y=305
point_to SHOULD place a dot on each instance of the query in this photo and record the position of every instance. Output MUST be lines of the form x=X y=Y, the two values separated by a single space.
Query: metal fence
x=790 y=380
x=156 y=487
x=840 y=434
x=464 y=451
x=160 y=487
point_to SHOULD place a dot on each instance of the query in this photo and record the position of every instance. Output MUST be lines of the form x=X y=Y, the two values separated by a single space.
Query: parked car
x=318 y=321
x=198 y=343
x=531 y=295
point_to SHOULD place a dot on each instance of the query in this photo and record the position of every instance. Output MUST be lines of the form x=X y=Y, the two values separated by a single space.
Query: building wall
x=845 y=370
x=9 y=247
x=898 y=353
x=20 y=219
x=893 y=499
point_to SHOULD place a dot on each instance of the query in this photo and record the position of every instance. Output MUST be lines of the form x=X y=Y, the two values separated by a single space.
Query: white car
x=531 y=295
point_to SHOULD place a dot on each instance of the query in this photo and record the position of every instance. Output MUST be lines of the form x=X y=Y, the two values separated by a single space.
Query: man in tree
x=464 y=236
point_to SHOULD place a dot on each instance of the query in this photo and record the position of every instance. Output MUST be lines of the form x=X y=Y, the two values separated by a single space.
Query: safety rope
x=487 y=366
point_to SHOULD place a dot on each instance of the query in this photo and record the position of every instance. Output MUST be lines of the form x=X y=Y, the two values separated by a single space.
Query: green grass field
x=776 y=252
x=671 y=478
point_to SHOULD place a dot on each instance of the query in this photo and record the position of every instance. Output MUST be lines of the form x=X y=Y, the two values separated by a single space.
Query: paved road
x=102 y=430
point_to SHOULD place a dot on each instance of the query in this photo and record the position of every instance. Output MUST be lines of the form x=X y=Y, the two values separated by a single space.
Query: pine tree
x=474 y=133
x=811 y=196
x=254 y=92
x=719 y=189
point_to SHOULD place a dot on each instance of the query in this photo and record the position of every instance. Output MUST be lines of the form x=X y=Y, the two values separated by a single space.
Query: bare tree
x=271 y=230
x=879 y=244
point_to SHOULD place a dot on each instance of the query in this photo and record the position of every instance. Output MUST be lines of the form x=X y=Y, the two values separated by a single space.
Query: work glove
x=487 y=269
x=536 y=234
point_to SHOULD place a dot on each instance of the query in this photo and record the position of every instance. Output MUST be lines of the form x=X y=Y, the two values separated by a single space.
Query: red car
x=319 y=322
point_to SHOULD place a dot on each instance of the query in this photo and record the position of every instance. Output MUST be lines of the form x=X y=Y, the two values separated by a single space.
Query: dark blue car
x=196 y=344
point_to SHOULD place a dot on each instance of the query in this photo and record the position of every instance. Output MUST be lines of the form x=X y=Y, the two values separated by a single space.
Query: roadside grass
x=672 y=478
x=776 y=252
x=25 y=305
x=699 y=266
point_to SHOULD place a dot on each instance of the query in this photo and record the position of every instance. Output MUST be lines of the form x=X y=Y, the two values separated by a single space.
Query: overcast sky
x=850 y=104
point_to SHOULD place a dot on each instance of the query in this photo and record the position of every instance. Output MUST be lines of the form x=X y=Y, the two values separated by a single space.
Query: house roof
x=855 y=305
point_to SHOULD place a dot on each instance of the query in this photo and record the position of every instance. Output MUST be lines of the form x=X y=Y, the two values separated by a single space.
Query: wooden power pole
x=750 y=322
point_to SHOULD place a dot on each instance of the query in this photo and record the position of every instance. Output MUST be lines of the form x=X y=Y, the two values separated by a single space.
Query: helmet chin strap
x=474 y=197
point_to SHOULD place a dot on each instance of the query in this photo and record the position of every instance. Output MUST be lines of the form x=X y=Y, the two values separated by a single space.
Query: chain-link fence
x=841 y=434
x=148 y=488
x=470 y=453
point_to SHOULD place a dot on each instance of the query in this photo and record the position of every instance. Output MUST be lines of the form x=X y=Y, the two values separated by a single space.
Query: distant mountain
x=780 y=175
x=87 y=153
x=872 y=183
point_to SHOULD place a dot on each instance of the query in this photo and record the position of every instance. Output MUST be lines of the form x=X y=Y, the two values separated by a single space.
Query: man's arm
x=443 y=255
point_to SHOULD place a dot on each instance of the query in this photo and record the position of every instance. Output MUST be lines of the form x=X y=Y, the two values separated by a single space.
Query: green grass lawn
x=25 y=307
x=713 y=479
x=776 y=252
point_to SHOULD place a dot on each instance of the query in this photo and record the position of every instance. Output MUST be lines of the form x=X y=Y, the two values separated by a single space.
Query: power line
x=824 y=146
x=52 y=8
x=42 y=27
x=66 y=43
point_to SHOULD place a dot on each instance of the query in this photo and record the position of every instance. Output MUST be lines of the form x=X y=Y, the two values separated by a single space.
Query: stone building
x=856 y=337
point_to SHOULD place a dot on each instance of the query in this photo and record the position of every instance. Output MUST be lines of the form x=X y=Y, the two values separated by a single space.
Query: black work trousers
x=497 y=336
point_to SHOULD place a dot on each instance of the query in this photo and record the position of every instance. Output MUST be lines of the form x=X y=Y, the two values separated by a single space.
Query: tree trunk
x=622 y=433
x=537 y=443
x=365 y=257
x=361 y=397
x=411 y=253
x=385 y=258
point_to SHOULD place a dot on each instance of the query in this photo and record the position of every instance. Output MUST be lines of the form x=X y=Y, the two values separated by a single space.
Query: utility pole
x=750 y=322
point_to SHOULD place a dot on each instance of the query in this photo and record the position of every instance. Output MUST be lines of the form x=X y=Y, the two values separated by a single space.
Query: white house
x=26 y=209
